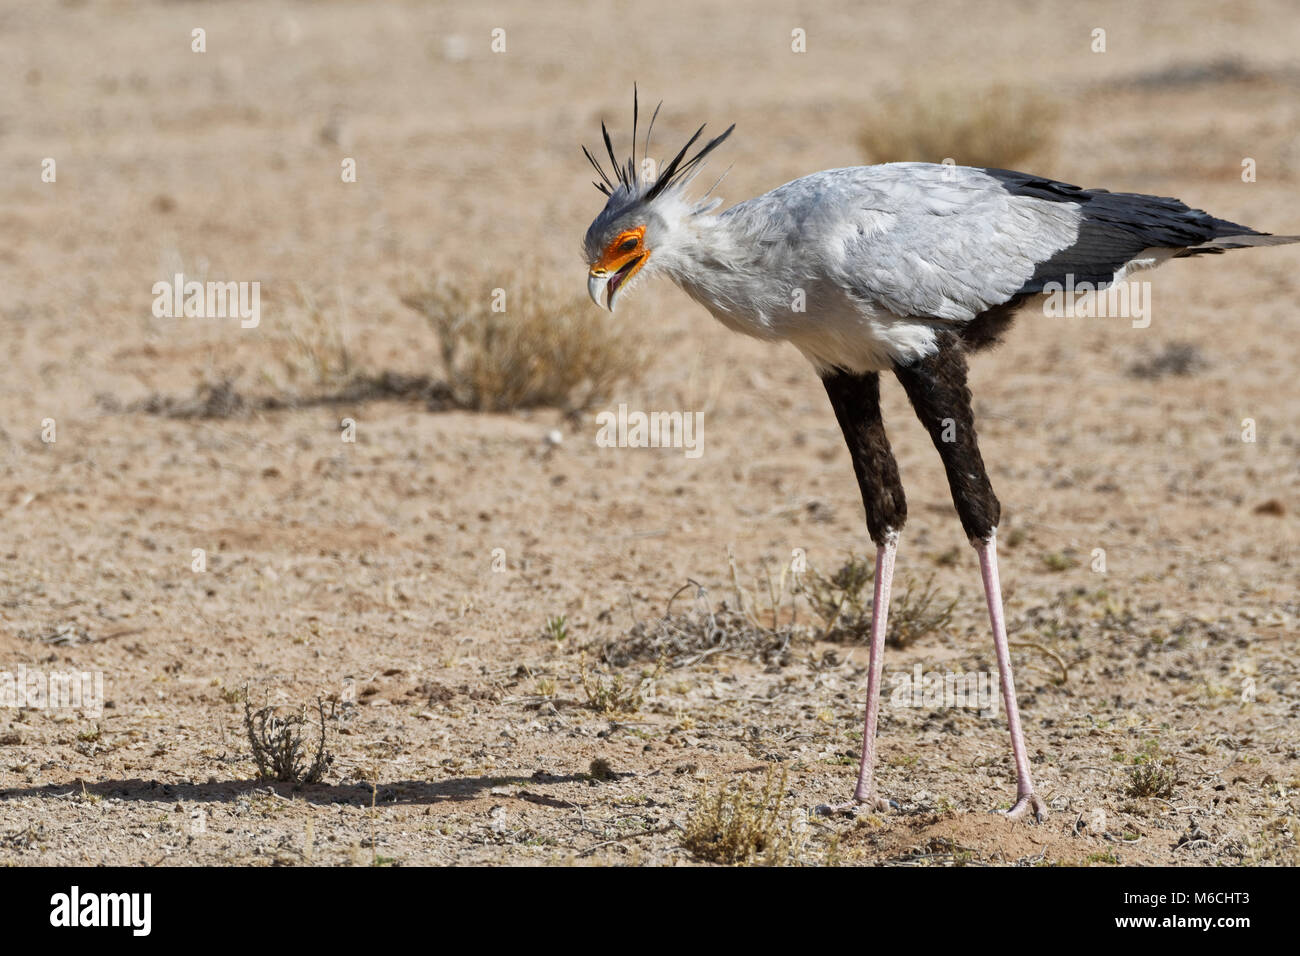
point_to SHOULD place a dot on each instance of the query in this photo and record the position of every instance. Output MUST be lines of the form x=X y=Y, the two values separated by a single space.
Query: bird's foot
x=856 y=805
x=1027 y=802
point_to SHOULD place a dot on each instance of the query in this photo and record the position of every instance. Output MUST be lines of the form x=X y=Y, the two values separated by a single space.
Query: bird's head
x=641 y=226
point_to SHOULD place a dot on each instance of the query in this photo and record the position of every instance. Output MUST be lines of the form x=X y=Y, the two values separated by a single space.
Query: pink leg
x=1026 y=799
x=864 y=792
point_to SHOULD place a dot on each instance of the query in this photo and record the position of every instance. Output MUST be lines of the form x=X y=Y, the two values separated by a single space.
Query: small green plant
x=1058 y=561
x=557 y=628
x=1108 y=856
x=949 y=558
x=1150 y=753
x=615 y=695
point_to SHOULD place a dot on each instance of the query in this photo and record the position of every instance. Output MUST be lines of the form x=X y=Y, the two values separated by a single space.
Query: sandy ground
x=363 y=573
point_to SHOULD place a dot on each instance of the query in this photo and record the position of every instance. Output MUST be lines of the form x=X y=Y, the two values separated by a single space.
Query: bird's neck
x=702 y=241
x=712 y=264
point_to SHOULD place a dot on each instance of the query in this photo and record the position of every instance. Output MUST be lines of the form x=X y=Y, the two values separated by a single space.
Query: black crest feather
x=677 y=170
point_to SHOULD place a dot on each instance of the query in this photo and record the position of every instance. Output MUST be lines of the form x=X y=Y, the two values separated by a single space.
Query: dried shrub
x=842 y=598
x=996 y=127
x=549 y=347
x=1153 y=774
x=1150 y=780
x=739 y=825
x=279 y=747
x=843 y=602
x=915 y=611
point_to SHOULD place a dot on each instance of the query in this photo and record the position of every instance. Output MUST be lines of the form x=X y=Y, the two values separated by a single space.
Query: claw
x=1027 y=802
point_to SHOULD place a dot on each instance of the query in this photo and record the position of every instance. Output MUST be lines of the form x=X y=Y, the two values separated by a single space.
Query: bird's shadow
x=391 y=793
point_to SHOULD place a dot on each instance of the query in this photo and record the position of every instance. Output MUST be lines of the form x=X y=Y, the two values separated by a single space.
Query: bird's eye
x=627 y=245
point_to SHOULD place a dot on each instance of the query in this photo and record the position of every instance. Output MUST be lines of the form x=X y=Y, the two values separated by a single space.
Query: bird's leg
x=1026 y=799
x=864 y=792
x=936 y=386
x=856 y=400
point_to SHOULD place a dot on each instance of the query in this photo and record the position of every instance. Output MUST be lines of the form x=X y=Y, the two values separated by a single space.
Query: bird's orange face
x=621 y=259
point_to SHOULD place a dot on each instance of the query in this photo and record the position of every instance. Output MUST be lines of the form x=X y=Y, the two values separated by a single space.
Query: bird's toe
x=1027 y=803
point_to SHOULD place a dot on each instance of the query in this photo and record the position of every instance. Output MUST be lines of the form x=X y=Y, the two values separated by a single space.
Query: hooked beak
x=596 y=285
x=602 y=283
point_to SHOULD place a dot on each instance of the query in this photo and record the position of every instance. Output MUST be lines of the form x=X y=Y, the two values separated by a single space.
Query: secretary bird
x=903 y=267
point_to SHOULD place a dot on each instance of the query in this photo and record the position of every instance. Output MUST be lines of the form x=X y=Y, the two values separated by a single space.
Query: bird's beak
x=606 y=278
x=597 y=283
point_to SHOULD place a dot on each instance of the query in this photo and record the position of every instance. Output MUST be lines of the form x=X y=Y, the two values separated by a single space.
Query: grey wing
x=950 y=242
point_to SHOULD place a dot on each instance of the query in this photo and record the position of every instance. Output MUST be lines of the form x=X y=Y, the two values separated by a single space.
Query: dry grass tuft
x=843 y=602
x=915 y=611
x=740 y=825
x=1153 y=774
x=617 y=694
x=279 y=747
x=997 y=127
x=316 y=352
x=549 y=347
x=1150 y=780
